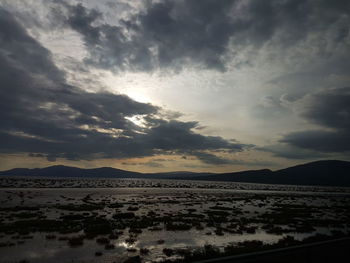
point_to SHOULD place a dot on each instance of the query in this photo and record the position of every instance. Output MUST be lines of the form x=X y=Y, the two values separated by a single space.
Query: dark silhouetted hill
x=321 y=173
x=251 y=176
x=324 y=173
x=67 y=171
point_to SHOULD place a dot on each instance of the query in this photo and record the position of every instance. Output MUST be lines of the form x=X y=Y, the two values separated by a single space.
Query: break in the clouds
x=227 y=83
x=44 y=116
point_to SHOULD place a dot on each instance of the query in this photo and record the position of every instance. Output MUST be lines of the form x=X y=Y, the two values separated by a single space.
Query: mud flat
x=151 y=223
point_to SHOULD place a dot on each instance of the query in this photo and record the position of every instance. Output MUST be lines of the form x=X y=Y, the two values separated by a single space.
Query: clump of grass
x=217 y=213
x=199 y=227
x=97 y=226
x=161 y=241
x=218 y=231
x=135 y=230
x=168 y=252
x=287 y=241
x=135 y=259
x=50 y=237
x=155 y=228
x=304 y=228
x=177 y=226
x=133 y=208
x=271 y=229
x=127 y=215
x=98 y=253
x=102 y=241
x=19 y=208
x=40 y=225
x=113 y=236
x=72 y=217
x=116 y=205
x=211 y=251
x=81 y=207
x=76 y=241
x=130 y=240
x=220 y=208
x=143 y=222
x=109 y=246
x=249 y=229
x=7 y=244
x=144 y=251
x=26 y=215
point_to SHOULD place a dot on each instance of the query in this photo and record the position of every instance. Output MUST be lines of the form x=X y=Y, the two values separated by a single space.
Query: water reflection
x=147 y=221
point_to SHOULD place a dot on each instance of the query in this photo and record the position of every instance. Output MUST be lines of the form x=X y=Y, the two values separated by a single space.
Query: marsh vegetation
x=146 y=224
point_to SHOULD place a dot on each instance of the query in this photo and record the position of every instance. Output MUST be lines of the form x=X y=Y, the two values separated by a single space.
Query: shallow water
x=217 y=216
x=30 y=182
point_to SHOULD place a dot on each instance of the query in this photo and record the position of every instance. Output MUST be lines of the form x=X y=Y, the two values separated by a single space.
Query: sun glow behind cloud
x=247 y=73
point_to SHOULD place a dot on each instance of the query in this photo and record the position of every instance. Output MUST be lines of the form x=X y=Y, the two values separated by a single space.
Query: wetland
x=134 y=220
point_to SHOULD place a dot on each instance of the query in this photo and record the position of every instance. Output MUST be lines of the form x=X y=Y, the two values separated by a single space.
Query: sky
x=174 y=85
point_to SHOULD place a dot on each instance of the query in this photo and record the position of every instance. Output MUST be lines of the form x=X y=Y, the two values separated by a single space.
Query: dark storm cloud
x=171 y=34
x=212 y=159
x=330 y=109
x=173 y=134
x=323 y=141
x=149 y=164
x=167 y=34
x=291 y=152
x=19 y=49
x=44 y=116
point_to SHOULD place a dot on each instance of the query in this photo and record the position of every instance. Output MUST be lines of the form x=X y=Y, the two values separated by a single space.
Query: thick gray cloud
x=293 y=48
x=323 y=141
x=288 y=151
x=167 y=34
x=44 y=116
x=330 y=109
x=171 y=34
x=212 y=159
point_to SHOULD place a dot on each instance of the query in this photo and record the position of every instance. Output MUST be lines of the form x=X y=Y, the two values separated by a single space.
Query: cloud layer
x=275 y=73
x=170 y=35
x=329 y=109
x=44 y=116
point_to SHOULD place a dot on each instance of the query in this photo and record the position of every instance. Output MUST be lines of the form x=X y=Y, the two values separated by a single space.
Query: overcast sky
x=197 y=85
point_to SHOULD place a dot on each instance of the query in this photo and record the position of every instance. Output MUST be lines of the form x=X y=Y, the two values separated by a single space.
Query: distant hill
x=336 y=173
x=178 y=174
x=250 y=176
x=67 y=171
x=102 y=172
x=325 y=173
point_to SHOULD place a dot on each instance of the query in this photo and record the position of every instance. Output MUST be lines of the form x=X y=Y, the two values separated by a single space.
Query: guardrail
x=337 y=249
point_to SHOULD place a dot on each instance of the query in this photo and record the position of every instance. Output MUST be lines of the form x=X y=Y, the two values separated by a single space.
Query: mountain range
x=325 y=173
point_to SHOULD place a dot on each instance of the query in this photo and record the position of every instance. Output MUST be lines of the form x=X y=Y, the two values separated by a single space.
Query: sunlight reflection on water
x=167 y=202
